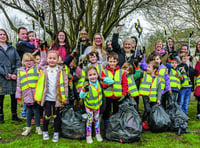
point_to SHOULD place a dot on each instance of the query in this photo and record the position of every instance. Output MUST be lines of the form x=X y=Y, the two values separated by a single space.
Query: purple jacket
x=28 y=94
x=143 y=66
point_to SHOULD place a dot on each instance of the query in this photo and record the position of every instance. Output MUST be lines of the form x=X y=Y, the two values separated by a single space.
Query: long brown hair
x=7 y=40
x=196 y=51
x=103 y=45
x=56 y=43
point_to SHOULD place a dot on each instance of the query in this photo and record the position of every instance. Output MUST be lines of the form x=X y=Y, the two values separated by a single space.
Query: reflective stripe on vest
x=148 y=87
x=161 y=74
x=186 y=82
x=67 y=69
x=132 y=88
x=81 y=80
x=28 y=79
x=94 y=97
x=174 y=81
x=40 y=87
x=99 y=68
x=197 y=81
x=116 y=88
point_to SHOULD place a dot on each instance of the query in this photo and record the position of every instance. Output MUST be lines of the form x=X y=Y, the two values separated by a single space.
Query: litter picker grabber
x=39 y=14
x=166 y=38
x=191 y=33
x=33 y=24
x=78 y=37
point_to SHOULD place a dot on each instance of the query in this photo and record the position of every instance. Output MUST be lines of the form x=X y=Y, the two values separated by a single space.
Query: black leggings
x=13 y=104
x=147 y=107
x=198 y=104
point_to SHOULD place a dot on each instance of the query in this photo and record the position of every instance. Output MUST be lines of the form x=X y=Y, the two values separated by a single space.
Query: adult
x=9 y=63
x=185 y=49
x=61 y=44
x=99 y=46
x=161 y=51
x=109 y=47
x=170 y=48
x=20 y=46
x=127 y=53
x=195 y=58
x=83 y=43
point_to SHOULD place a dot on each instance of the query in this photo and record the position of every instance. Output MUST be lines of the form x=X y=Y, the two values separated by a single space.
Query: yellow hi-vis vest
x=116 y=88
x=81 y=80
x=40 y=88
x=28 y=79
x=186 y=82
x=197 y=81
x=148 y=87
x=67 y=69
x=99 y=68
x=132 y=88
x=93 y=100
x=161 y=73
x=174 y=81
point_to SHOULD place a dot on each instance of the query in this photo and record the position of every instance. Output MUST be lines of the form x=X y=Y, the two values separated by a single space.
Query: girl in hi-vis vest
x=92 y=93
x=27 y=77
x=52 y=93
x=132 y=88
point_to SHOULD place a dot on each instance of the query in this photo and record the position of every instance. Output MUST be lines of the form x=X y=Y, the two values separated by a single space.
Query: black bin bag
x=159 y=120
x=124 y=126
x=178 y=117
x=73 y=124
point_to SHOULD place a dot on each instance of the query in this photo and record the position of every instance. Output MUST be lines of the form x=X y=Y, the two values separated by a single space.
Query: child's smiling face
x=92 y=75
x=93 y=58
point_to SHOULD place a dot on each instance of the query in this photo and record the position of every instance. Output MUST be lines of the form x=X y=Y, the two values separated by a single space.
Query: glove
x=74 y=51
x=71 y=84
x=137 y=74
x=178 y=75
x=86 y=86
x=122 y=98
x=108 y=81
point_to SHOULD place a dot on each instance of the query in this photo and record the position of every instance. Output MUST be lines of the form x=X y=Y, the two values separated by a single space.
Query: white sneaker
x=45 y=136
x=89 y=139
x=99 y=138
x=55 y=137
x=27 y=131
x=38 y=131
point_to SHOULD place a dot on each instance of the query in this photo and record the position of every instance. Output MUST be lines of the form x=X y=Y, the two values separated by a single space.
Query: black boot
x=179 y=132
x=1 y=118
x=15 y=118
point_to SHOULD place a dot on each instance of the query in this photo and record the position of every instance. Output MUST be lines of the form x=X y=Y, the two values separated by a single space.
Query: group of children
x=50 y=83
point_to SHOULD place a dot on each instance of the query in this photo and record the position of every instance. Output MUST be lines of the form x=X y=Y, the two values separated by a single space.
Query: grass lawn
x=10 y=133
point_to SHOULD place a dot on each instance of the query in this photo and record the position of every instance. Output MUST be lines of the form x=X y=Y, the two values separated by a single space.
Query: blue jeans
x=184 y=99
x=24 y=111
x=35 y=109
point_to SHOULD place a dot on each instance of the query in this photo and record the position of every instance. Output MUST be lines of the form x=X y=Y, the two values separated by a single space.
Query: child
x=26 y=83
x=132 y=88
x=37 y=58
x=93 y=58
x=197 y=87
x=52 y=92
x=175 y=77
x=163 y=74
x=150 y=89
x=186 y=86
x=92 y=95
x=116 y=92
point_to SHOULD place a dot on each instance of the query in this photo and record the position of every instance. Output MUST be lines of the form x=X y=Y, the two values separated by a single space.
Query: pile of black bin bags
x=124 y=126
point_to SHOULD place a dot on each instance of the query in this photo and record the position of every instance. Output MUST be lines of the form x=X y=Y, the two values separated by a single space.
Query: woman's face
x=127 y=47
x=3 y=37
x=198 y=46
x=159 y=46
x=134 y=42
x=184 y=49
x=98 y=40
x=171 y=43
x=61 y=37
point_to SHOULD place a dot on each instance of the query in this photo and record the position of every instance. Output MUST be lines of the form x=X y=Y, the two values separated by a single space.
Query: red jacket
x=124 y=81
x=197 y=72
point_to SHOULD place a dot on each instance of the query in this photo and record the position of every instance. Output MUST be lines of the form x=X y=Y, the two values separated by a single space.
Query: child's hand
x=20 y=103
x=86 y=86
x=34 y=53
x=158 y=101
x=170 y=92
x=13 y=76
x=108 y=81
x=122 y=98
x=81 y=102
x=74 y=51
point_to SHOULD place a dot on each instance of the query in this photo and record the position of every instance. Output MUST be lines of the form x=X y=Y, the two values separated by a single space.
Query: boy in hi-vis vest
x=150 y=89
x=116 y=92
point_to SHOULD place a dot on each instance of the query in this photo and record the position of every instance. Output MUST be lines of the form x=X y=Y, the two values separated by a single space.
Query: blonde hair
x=129 y=66
x=130 y=41
x=103 y=45
x=159 y=41
x=27 y=56
x=183 y=55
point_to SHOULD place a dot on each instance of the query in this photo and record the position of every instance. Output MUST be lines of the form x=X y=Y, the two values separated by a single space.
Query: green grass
x=11 y=135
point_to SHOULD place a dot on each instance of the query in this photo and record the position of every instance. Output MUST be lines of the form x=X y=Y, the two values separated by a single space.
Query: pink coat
x=197 y=70
x=28 y=94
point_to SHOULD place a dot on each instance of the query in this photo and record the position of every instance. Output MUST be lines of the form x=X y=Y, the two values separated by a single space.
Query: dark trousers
x=137 y=82
x=147 y=107
x=49 y=107
x=107 y=111
x=164 y=99
x=32 y=109
x=198 y=105
x=13 y=104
